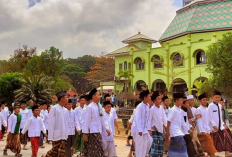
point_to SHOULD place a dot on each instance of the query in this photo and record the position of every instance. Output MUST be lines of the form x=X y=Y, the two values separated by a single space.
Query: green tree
x=52 y=62
x=9 y=82
x=125 y=76
x=35 y=87
x=219 y=64
x=62 y=85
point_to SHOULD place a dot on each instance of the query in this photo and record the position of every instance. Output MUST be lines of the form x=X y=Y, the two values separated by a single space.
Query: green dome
x=200 y=16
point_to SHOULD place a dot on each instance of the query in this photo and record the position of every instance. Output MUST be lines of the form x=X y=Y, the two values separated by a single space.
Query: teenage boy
x=13 y=138
x=108 y=141
x=177 y=145
x=34 y=126
x=221 y=137
x=158 y=122
x=142 y=126
x=24 y=112
x=203 y=127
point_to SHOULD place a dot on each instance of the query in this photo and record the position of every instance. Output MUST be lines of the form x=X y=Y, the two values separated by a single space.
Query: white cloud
x=79 y=27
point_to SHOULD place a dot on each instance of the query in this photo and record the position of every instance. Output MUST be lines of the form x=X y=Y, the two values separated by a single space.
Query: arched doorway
x=140 y=85
x=158 y=85
x=178 y=86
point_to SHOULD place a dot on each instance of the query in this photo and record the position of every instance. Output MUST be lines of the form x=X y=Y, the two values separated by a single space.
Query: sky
x=80 y=27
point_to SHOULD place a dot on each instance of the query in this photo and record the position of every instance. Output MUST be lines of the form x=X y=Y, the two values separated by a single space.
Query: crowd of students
x=156 y=129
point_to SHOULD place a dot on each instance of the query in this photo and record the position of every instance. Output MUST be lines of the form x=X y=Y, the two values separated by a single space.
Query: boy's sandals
x=24 y=148
x=18 y=155
x=42 y=147
x=5 y=152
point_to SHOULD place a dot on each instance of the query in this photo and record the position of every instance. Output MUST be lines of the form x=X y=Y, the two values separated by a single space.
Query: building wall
x=186 y=45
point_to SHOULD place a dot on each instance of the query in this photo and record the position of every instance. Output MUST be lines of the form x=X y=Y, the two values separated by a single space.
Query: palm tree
x=126 y=77
x=199 y=84
x=35 y=87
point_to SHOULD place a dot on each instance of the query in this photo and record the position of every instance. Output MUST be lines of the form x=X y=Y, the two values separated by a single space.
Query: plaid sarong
x=222 y=140
x=177 y=147
x=13 y=143
x=23 y=137
x=58 y=149
x=157 y=147
x=94 y=146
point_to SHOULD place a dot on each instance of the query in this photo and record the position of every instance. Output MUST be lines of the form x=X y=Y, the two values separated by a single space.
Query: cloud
x=79 y=27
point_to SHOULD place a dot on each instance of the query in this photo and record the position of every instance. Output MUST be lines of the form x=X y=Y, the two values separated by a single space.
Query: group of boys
x=88 y=129
x=180 y=131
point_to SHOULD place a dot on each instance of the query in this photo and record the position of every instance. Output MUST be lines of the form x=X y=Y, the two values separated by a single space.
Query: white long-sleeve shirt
x=57 y=124
x=34 y=126
x=108 y=118
x=78 y=113
x=114 y=117
x=12 y=120
x=203 y=122
x=176 y=119
x=30 y=113
x=82 y=118
x=186 y=126
x=93 y=121
x=141 y=119
x=72 y=122
x=158 y=118
x=25 y=117
x=2 y=121
x=5 y=113
x=45 y=115
x=214 y=112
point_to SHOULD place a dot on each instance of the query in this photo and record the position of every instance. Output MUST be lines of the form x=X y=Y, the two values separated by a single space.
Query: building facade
x=181 y=59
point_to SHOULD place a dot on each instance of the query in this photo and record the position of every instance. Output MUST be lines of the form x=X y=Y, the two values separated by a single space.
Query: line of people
x=88 y=129
x=180 y=131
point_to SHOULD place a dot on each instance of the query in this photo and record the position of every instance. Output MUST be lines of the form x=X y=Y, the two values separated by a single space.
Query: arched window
x=177 y=60
x=157 y=62
x=200 y=57
x=120 y=66
x=139 y=64
x=125 y=65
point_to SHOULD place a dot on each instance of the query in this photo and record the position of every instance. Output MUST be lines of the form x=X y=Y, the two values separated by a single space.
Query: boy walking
x=13 y=138
x=24 y=112
x=34 y=126
x=108 y=141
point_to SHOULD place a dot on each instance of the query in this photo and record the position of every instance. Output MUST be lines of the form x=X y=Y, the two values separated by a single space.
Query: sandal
x=5 y=152
x=42 y=147
x=18 y=155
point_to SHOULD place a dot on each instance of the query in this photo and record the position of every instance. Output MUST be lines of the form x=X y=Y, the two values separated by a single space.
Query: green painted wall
x=186 y=45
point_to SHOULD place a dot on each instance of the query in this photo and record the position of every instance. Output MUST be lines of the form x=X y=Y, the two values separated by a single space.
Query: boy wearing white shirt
x=203 y=127
x=2 y=123
x=57 y=127
x=78 y=142
x=5 y=114
x=34 y=126
x=221 y=137
x=13 y=137
x=158 y=122
x=141 y=126
x=72 y=126
x=24 y=112
x=92 y=128
x=177 y=145
x=108 y=141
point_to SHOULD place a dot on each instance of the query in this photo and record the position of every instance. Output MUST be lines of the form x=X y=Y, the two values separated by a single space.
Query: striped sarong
x=94 y=148
x=13 y=143
x=222 y=140
x=157 y=146
x=177 y=147
x=58 y=149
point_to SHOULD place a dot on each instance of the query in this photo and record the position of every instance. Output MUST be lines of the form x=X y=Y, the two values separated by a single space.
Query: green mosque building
x=181 y=58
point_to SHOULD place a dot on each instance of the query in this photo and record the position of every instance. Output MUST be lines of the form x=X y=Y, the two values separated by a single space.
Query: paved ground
x=122 y=150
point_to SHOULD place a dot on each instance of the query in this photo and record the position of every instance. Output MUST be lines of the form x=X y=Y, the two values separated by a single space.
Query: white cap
x=190 y=97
